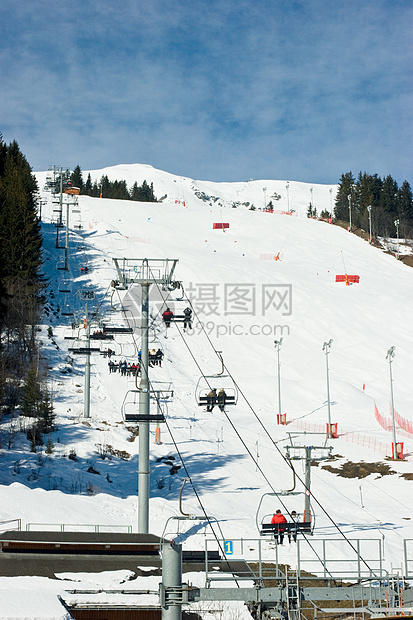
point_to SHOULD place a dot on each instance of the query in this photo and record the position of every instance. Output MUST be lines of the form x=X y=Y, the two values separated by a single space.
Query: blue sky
x=215 y=90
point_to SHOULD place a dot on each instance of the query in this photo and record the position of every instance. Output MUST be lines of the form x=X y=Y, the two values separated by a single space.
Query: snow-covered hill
x=244 y=299
x=285 y=195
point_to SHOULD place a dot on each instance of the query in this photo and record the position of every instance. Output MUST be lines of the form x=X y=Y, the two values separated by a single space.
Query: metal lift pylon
x=144 y=271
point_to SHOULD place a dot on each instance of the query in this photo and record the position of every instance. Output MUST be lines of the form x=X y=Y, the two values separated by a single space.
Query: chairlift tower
x=87 y=295
x=69 y=203
x=145 y=271
x=297 y=452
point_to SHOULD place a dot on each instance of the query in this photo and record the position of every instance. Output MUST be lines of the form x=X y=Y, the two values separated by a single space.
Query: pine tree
x=135 y=192
x=46 y=413
x=105 y=187
x=20 y=247
x=21 y=241
x=388 y=196
x=31 y=392
x=143 y=193
x=346 y=188
x=76 y=178
x=88 y=185
x=405 y=202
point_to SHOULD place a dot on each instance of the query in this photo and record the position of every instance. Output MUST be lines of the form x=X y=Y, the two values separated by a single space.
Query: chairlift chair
x=178 y=313
x=179 y=317
x=130 y=409
x=80 y=347
x=113 y=329
x=65 y=286
x=162 y=390
x=220 y=380
x=78 y=224
x=184 y=516
x=66 y=310
x=266 y=528
x=71 y=333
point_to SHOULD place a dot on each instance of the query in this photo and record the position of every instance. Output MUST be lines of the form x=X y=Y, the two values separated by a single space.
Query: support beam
x=171 y=589
x=144 y=410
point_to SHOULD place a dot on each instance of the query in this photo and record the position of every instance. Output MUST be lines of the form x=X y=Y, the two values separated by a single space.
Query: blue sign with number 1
x=229 y=547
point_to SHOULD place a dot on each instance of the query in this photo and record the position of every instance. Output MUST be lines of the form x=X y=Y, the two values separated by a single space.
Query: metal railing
x=77 y=527
x=325 y=559
x=4 y=525
x=336 y=558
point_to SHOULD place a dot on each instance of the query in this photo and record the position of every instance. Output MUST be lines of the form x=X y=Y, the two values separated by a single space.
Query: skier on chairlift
x=279 y=519
x=295 y=520
x=167 y=317
x=188 y=318
x=221 y=399
x=211 y=400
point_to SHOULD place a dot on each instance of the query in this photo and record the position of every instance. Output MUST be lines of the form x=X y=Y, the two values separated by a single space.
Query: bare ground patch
x=360 y=470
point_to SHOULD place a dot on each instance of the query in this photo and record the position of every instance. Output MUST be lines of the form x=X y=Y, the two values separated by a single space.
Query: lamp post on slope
x=331 y=204
x=278 y=346
x=349 y=210
x=369 y=210
x=326 y=349
x=389 y=356
x=396 y=223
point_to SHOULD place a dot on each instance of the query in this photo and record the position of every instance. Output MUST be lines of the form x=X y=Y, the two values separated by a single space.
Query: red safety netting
x=405 y=427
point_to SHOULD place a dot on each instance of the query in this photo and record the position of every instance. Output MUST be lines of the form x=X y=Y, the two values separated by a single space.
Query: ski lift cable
x=269 y=436
x=224 y=368
x=128 y=322
x=218 y=541
x=275 y=445
x=364 y=509
x=265 y=430
x=255 y=461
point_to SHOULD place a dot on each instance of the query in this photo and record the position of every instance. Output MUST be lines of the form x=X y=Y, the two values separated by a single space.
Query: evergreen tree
x=405 y=209
x=346 y=188
x=95 y=192
x=31 y=392
x=388 y=201
x=21 y=241
x=76 y=179
x=46 y=413
x=20 y=248
x=405 y=202
x=88 y=185
x=311 y=211
x=134 y=192
x=105 y=187
x=143 y=193
x=119 y=190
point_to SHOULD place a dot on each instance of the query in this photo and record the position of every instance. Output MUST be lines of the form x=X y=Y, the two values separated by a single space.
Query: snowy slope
x=244 y=300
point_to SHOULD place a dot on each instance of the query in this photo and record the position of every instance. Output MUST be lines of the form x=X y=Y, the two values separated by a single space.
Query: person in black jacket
x=159 y=357
x=188 y=318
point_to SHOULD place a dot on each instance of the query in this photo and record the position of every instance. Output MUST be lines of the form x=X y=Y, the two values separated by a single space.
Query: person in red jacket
x=278 y=518
x=167 y=317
